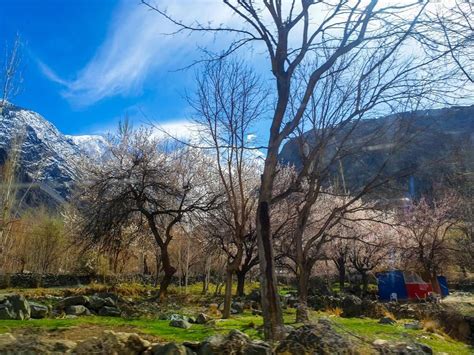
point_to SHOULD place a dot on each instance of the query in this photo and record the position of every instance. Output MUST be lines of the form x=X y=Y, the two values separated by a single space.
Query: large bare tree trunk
x=241 y=282
x=169 y=271
x=303 y=282
x=271 y=308
x=228 y=293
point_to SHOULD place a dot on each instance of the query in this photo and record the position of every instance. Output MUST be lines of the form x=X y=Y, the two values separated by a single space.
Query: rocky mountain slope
x=49 y=160
x=420 y=150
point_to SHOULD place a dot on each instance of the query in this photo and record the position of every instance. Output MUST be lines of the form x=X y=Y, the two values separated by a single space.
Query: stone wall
x=31 y=280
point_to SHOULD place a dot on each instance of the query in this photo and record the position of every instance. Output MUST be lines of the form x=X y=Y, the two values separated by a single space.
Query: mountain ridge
x=48 y=158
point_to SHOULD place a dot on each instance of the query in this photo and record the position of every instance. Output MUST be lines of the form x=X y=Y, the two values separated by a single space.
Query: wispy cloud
x=50 y=74
x=136 y=47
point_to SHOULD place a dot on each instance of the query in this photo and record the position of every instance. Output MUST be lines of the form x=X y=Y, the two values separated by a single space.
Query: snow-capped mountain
x=94 y=146
x=50 y=160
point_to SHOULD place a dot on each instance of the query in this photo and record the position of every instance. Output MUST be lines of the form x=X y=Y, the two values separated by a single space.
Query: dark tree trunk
x=342 y=276
x=271 y=308
x=228 y=293
x=241 y=283
x=303 y=281
x=168 y=270
x=365 y=283
x=205 y=281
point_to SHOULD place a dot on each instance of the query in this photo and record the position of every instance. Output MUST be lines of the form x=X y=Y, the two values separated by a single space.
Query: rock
x=96 y=303
x=413 y=325
x=202 y=318
x=73 y=301
x=380 y=342
x=17 y=306
x=171 y=349
x=113 y=343
x=192 y=320
x=389 y=348
x=6 y=311
x=290 y=300
x=109 y=312
x=302 y=315
x=77 y=310
x=6 y=339
x=28 y=344
x=315 y=339
x=180 y=323
x=386 y=320
x=235 y=342
x=71 y=316
x=373 y=309
x=176 y=316
x=255 y=296
x=238 y=307
x=38 y=311
x=351 y=306
x=109 y=302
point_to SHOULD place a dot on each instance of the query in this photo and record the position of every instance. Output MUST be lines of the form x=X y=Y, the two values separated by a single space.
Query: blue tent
x=406 y=286
x=391 y=282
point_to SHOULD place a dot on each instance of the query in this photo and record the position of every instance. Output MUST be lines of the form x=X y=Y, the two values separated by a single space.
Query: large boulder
x=180 y=323
x=6 y=311
x=390 y=348
x=96 y=303
x=202 y=318
x=237 y=308
x=38 y=311
x=235 y=342
x=31 y=344
x=77 y=311
x=109 y=312
x=111 y=342
x=171 y=349
x=351 y=306
x=255 y=296
x=14 y=307
x=319 y=338
x=73 y=301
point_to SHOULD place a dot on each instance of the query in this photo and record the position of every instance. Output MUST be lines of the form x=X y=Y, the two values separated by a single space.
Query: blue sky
x=89 y=62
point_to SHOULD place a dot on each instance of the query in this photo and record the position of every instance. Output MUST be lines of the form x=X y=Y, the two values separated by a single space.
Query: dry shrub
x=388 y=314
x=432 y=326
x=336 y=311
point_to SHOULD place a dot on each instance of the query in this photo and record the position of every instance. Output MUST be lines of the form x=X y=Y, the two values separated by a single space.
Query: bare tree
x=323 y=35
x=228 y=101
x=145 y=181
x=10 y=79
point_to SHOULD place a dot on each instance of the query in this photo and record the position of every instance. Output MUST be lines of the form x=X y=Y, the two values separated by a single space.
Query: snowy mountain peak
x=49 y=160
x=94 y=146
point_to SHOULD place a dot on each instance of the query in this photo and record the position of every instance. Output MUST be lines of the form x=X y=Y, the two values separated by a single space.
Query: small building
x=402 y=285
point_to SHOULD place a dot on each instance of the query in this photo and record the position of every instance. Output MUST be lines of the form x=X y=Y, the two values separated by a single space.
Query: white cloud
x=50 y=74
x=180 y=129
x=136 y=46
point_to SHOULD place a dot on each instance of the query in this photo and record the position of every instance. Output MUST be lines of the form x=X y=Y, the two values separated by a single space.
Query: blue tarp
x=443 y=284
x=391 y=282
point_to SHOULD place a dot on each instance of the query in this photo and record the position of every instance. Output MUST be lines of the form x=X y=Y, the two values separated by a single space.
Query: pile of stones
x=14 y=306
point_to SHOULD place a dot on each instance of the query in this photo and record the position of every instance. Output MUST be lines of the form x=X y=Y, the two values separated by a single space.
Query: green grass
x=366 y=329
x=370 y=329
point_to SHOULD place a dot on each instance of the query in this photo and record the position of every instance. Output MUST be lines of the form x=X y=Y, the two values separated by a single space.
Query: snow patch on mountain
x=94 y=146
x=49 y=159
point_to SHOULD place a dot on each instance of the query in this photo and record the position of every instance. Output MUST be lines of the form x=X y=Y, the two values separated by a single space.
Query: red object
x=418 y=290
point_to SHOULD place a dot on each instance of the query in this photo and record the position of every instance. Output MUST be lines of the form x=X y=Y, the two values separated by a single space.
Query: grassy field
x=362 y=331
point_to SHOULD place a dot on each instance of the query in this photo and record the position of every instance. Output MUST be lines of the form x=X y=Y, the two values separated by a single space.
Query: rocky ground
x=89 y=321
